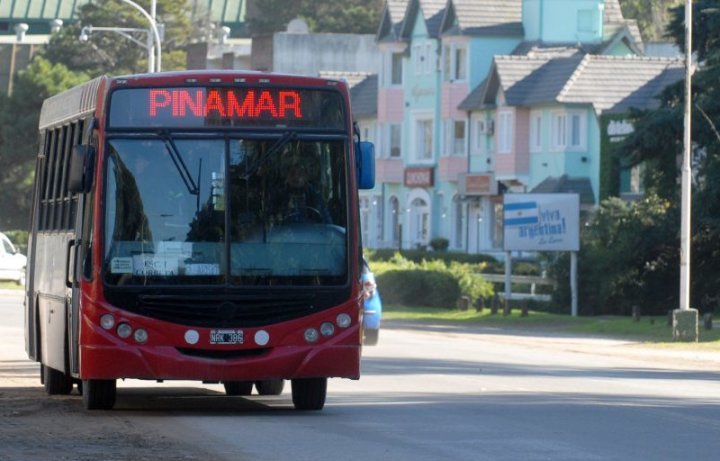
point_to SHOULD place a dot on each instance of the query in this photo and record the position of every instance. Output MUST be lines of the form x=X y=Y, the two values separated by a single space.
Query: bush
x=428 y=283
x=439 y=244
x=419 y=287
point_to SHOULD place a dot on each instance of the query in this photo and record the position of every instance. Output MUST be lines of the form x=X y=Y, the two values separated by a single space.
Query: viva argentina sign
x=541 y=222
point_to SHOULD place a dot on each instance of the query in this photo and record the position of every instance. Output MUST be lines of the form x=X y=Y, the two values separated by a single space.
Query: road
x=427 y=393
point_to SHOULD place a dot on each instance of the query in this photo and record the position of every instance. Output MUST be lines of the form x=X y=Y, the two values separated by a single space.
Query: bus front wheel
x=270 y=386
x=238 y=387
x=56 y=382
x=98 y=394
x=309 y=393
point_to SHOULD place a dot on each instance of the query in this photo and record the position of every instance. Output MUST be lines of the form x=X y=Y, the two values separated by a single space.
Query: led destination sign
x=197 y=107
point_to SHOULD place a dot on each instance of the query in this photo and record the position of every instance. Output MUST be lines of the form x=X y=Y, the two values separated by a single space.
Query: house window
x=395 y=140
x=505 y=132
x=559 y=130
x=379 y=221
x=457 y=220
x=423 y=139
x=535 y=132
x=428 y=58
x=569 y=130
x=396 y=69
x=458 y=139
x=454 y=62
x=417 y=61
x=586 y=21
x=576 y=132
x=365 y=219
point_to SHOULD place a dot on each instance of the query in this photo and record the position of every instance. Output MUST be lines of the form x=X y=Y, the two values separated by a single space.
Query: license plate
x=226 y=337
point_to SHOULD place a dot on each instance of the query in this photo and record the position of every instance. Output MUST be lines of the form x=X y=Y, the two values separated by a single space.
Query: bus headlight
x=140 y=335
x=343 y=320
x=107 y=321
x=327 y=329
x=124 y=330
x=311 y=335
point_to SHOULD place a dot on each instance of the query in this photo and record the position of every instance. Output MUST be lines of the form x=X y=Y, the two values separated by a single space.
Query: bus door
x=80 y=246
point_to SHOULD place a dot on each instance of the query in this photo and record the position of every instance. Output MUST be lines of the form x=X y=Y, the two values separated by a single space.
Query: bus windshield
x=240 y=211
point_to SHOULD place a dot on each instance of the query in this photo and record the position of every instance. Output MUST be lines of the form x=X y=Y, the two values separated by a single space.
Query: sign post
x=543 y=222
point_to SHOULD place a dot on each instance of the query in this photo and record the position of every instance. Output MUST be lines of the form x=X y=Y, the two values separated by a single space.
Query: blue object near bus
x=372 y=307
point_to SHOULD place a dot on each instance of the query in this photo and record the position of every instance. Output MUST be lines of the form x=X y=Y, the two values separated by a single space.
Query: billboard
x=541 y=222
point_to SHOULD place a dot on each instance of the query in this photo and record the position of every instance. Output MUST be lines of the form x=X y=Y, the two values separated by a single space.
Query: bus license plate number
x=226 y=337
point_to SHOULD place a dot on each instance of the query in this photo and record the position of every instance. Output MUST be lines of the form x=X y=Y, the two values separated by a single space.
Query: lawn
x=651 y=330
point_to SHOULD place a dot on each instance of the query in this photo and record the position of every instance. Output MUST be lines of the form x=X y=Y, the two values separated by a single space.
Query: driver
x=303 y=202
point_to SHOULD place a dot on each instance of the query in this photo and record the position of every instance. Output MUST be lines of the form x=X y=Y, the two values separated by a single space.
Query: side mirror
x=366 y=165
x=82 y=160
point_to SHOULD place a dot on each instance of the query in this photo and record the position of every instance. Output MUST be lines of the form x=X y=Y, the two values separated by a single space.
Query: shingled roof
x=363 y=97
x=433 y=12
x=391 y=20
x=483 y=17
x=609 y=83
x=566 y=184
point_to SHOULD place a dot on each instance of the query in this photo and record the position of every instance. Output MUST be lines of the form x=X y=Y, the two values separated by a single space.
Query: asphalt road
x=427 y=393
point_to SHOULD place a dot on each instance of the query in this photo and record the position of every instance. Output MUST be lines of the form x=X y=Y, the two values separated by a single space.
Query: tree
x=18 y=134
x=657 y=143
x=346 y=16
x=110 y=53
x=652 y=15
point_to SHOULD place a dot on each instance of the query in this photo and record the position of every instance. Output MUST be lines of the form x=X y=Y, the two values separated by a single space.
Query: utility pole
x=685 y=319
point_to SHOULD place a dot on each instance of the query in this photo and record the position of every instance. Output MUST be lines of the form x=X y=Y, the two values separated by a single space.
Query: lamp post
x=152 y=43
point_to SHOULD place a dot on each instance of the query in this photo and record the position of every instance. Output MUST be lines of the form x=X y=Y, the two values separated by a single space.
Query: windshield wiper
x=279 y=144
x=177 y=159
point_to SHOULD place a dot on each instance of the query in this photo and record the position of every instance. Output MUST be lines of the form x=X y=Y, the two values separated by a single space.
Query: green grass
x=10 y=286
x=651 y=330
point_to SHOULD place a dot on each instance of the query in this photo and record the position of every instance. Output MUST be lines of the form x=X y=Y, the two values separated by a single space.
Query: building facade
x=477 y=98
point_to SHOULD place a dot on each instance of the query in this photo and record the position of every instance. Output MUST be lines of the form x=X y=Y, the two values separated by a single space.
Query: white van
x=12 y=262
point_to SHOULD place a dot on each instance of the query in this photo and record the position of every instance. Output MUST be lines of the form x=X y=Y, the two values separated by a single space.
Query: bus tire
x=309 y=393
x=270 y=386
x=238 y=387
x=99 y=394
x=56 y=382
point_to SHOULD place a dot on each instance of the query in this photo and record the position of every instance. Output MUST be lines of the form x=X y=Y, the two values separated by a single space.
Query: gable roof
x=391 y=20
x=363 y=97
x=566 y=184
x=432 y=12
x=609 y=83
x=483 y=17
x=614 y=84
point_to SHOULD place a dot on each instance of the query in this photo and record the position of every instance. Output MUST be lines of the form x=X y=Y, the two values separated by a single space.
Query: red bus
x=197 y=226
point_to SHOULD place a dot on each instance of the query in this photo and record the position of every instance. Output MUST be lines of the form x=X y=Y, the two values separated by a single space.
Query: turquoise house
x=477 y=98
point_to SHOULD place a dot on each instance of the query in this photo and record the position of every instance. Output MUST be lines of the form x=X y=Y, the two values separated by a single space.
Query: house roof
x=363 y=97
x=483 y=17
x=391 y=19
x=614 y=84
x=609 y=83
x=566 y=184
x=432 y=11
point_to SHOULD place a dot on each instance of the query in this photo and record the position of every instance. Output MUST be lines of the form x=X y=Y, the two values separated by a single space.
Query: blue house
x=480 y=97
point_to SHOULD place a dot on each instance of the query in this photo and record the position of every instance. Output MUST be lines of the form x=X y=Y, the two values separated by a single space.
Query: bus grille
x=210 y=311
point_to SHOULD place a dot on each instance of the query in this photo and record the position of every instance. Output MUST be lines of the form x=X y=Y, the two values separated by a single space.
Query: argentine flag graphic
x=522 y=213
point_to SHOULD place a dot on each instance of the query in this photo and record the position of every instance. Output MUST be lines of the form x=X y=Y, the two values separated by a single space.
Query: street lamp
x=152 y=43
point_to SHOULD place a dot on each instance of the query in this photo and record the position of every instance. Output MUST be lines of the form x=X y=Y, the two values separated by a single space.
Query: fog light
x=107 y=321
x=262 y=337
x=311 y=335
x=327 y=329
x=140 y=335
x=343 y=320
x=124 y=330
